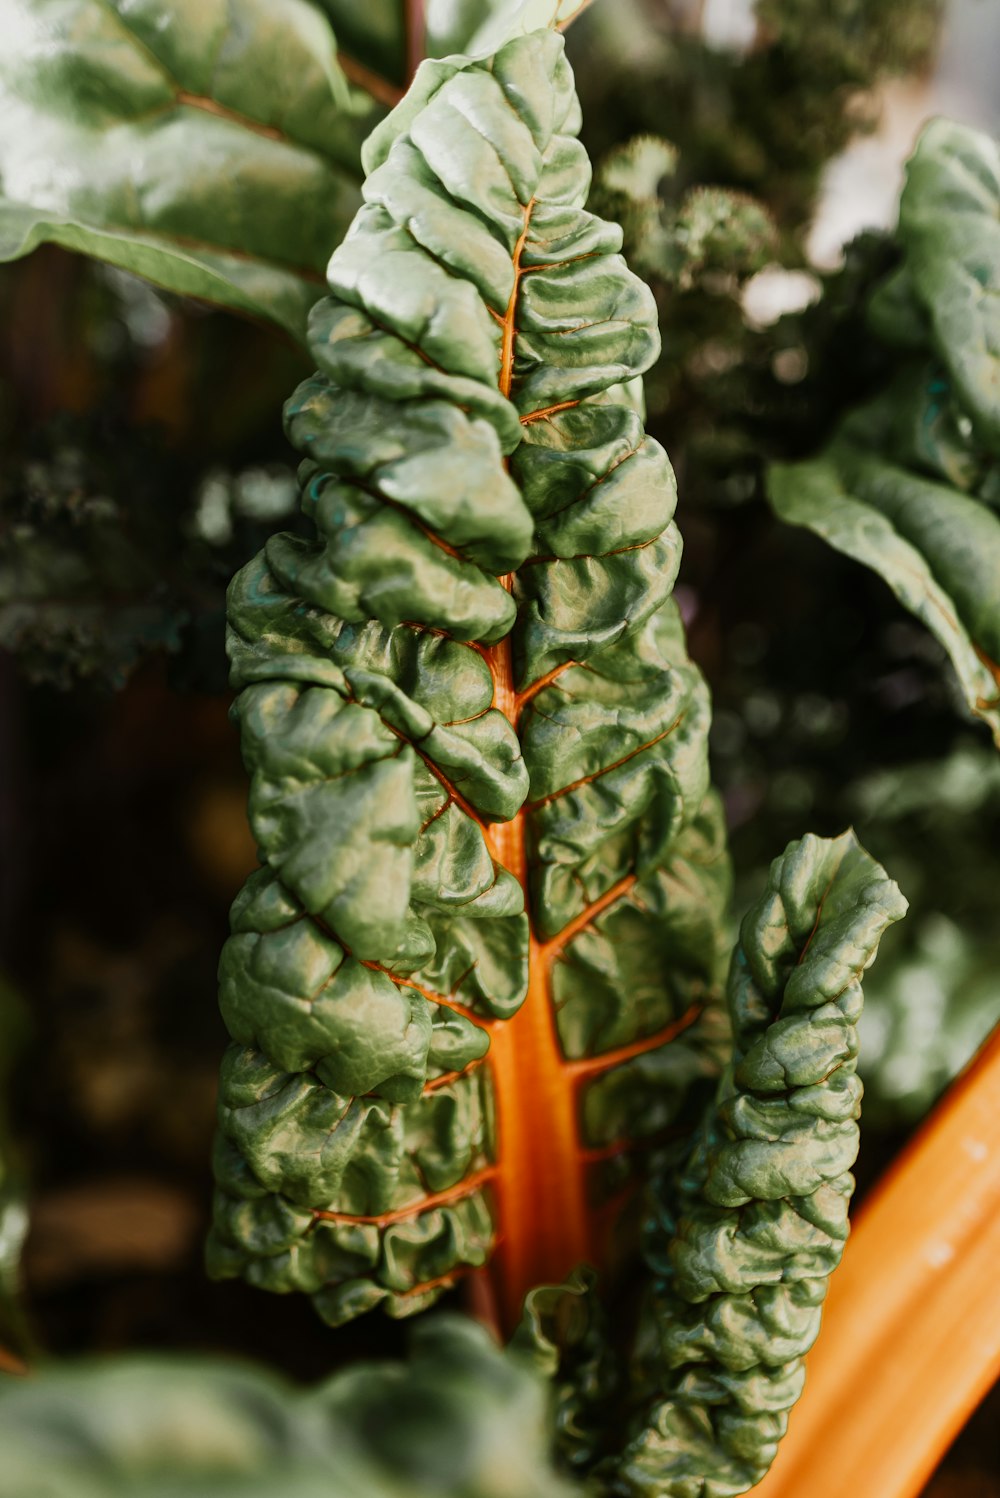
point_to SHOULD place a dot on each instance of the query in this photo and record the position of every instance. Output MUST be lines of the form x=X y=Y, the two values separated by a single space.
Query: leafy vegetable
x=459 y=1421
x=918 y=1287
x=910 y=484
x=415 y=1073
x=743 y=1243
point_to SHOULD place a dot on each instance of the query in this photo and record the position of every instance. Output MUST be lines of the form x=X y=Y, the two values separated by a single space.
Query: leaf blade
x=235 y=195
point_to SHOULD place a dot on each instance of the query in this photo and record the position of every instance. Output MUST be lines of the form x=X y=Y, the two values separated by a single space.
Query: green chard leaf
x=473 y=979
x=910 y=484
x=742 y=1243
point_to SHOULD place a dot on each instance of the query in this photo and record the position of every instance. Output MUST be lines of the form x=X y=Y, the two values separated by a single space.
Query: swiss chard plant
x=473 y=988
x=490 y=1032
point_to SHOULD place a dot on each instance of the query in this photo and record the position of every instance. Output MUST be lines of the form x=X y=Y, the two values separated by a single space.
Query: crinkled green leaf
x=458 y=1419
x=490 y=517
x=910 y=484
x=742 y=1243
x=212 y=148
x=565 y=1335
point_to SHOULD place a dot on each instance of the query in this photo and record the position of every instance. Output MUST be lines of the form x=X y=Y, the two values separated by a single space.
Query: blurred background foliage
x=144 y=461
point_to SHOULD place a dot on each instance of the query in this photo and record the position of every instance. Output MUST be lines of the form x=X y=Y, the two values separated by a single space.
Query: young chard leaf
x=473 y=976
x=741 y=1245
x=910 y=484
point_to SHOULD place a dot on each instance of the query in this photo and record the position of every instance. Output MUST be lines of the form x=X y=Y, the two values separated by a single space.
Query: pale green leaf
x=949 y=225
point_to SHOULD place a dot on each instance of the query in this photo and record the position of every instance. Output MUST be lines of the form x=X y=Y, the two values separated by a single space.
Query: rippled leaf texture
x=742 y=1244
x=471 y=686
x=910 y=484
x=458 y=1420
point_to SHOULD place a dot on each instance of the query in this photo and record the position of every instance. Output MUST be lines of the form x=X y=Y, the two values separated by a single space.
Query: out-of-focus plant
x=13 y=1209
x=213 y=148
x=464 y=1420
x=910 y=484
x=98 y=569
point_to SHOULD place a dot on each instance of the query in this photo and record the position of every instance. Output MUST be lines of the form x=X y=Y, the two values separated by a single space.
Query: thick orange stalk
x=911 y=1333
x=539 y=1183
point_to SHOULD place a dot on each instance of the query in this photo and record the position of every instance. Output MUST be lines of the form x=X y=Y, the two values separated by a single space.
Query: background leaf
x=212 y=148
x=209 y=147
x=459 y=1420
x=910 y=483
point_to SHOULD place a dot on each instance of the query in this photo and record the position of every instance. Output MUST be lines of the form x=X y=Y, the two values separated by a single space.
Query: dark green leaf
x=459 y=1420
x=743 y=1241
x=476 y=414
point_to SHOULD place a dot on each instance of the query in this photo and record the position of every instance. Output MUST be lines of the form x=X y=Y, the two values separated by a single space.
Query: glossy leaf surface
x=742 y=1244
x=910 y=485
x=213 y=152
x=469 y=692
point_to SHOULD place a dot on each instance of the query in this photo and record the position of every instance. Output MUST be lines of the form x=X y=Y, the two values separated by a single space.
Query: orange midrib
x=539 y=1183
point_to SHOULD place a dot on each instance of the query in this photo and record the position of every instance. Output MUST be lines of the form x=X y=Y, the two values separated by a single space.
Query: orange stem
x=593 y=1066
x=540 y=1184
